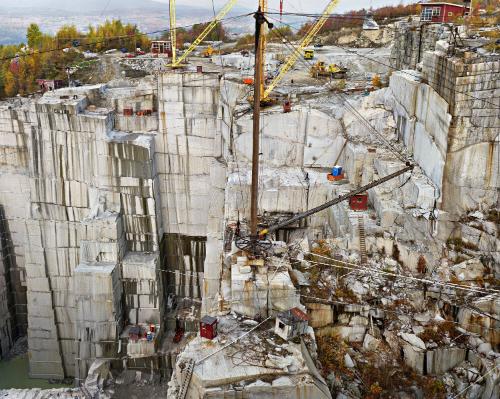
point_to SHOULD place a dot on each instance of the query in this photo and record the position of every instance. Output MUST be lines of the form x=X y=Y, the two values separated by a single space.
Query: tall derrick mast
x=173 y=36
x=262 y=48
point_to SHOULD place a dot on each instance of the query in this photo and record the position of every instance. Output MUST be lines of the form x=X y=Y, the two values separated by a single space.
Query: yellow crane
x=298 y=52
x=173 y=24
x=222 y=13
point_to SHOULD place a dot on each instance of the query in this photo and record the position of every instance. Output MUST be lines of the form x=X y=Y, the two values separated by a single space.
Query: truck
x=308 y=54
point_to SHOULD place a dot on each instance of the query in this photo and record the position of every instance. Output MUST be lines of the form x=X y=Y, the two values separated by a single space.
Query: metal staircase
x=188 y=373
x=362 y=239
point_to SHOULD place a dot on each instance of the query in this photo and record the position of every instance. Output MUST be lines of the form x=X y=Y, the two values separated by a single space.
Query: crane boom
x=222 y=13
x=337 y=200
x=173 y=33
x=292 y=59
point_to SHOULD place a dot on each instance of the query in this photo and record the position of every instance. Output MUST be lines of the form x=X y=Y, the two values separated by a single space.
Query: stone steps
x=187 y=379
x=362 y=240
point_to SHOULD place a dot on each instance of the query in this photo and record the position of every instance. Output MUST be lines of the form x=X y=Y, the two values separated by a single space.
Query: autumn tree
x=20 y=67
x=280 y=33
x=66 y=35
x=34 y=36
x=10 y=84
x=354 y=18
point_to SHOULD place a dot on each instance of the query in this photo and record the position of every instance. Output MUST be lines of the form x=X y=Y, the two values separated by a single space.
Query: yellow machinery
x=297 y=53
x=209 y=51
x=308 y=54
x=262 y=50
x=321 y=69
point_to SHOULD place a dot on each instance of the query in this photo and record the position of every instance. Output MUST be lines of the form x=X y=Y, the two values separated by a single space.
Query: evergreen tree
x=34 y=36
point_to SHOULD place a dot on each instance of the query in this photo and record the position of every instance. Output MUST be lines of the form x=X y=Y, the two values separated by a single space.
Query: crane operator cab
x=308 y=54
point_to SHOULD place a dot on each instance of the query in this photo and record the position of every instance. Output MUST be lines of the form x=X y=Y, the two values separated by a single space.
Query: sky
x=303 y=5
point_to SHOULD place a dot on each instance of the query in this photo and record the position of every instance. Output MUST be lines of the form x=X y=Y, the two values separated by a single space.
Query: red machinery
x=208 y=327
x=359 y=202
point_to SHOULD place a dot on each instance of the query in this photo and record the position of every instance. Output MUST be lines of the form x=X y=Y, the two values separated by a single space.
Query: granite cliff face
x=119 y=204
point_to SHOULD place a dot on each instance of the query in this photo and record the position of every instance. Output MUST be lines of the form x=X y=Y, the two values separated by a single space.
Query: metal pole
x=259 y=20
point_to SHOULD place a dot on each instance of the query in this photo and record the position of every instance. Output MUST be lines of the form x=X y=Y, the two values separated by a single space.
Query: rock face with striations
x=83 y=195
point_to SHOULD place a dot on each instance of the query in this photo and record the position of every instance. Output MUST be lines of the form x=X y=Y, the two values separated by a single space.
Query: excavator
x=210 y=51
x=333 y=71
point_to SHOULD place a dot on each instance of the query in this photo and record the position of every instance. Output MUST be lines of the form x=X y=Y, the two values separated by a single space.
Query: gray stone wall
x=412 y=40
x=7 y=306
x=471 y=86
x=65 y=170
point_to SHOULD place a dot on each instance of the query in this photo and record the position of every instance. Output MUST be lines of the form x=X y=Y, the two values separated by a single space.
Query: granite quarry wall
x=106 y=214
x=77 y=196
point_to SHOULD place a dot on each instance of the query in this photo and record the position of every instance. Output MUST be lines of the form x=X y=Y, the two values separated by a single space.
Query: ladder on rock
x=188 y=373
x=362 y=240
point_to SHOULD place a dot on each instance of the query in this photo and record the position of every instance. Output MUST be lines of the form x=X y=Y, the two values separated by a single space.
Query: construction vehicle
x=308 y=54
x=306 y=41
x=208 y=52
x=333 y=71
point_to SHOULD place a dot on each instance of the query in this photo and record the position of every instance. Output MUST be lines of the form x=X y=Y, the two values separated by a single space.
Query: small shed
x=291 y=323
x=161 y=47
x=359 y=202
x=208 y=327
x=442 y=12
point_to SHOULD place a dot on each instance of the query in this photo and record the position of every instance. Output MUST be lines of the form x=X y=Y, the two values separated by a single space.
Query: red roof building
x=442 y=12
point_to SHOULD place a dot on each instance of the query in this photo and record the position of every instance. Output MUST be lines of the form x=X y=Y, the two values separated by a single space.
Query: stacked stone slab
x=7 y=309
x=14 y=204
x=470 y=85
x=412 y=40
x=141 y=287
x=188 y=105
x=423 y=123
x=98 y=291
x=449 y=115
x=80 y=195
x=188 y=143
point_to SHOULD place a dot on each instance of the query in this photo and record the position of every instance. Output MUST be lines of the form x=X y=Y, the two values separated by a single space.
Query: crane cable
x=399 y=154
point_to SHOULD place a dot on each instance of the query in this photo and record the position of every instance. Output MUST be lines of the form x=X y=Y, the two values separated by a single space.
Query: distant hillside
x=148 y=15
x=84 y=7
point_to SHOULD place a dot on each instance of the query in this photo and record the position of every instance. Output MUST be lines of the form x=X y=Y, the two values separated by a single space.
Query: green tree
x=66 y=34
x=10 y=82
x=277 y=34
x=34 y=36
